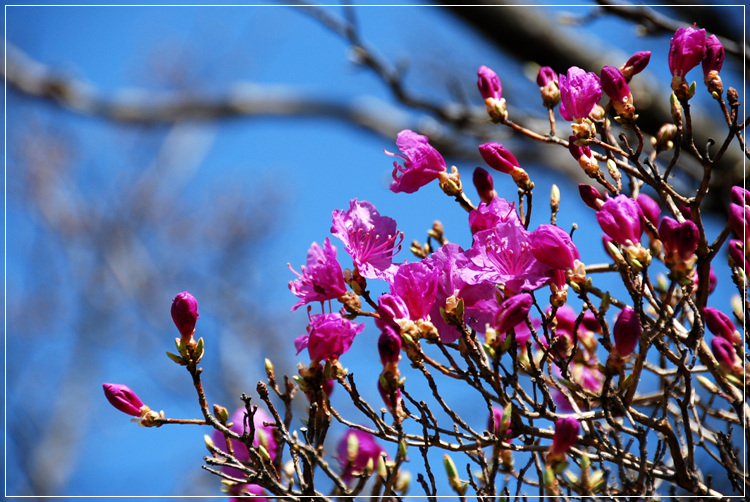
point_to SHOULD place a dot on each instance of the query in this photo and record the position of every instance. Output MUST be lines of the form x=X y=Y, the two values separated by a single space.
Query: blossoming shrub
x=603 y=399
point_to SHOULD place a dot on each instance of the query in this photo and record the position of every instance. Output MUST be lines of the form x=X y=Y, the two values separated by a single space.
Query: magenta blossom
x=621 y=219
x=650 y=208
x=322 y=279
x=355 y=450
x=737 y=256
x=679 y=239
x=422 y=163
x=264 y=436
x=391 y=308
x=615 y=87
x=740 y=196
x=502 y=256
x=721 y=325
x=713 y=58
x=121 y=397
x=328 y=336
x=238 y=493
x=553 y=246
x=512 y=311
x=416 y=284
x=579 y=93
x=185 y=313
x=686 y=50
x=487 y=216
x=565 y=437
x=627 y=331
x=369 y=238
x=739 y=218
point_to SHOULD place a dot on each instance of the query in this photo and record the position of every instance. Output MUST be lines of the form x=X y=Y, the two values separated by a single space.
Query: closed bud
x=185 y=313
x=722 y=326
x=664 y=139
x=679 y=239
x=713 y=58
x=553 y=246
x=121 y=397
x=389 y=346
x=492 y=93
x=591 y=196
x=726 y=356
x=484 y=184
x=649 y=207
x=627 y=331
x=548 y=86
x=621 y=218
x=565 y=437
x=584 y=157
x=616 y=88
x=498 y=157
x=676 y=109
x=512 y=312
x=636 y=64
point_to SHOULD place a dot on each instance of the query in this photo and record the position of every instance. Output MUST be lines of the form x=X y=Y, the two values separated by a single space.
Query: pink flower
x=479 y=300
x=263 y=436
x=416 y=284
x=489 y=84
x=686 y=50
x=725 y=354
x=621 y=219
x=512 y=311
x=370 y=239
x=502 y=256
x=498 y=157
x=322 y=279
x=238 y=492
x=390 y=308
x=627 y=331
x=489 y=215
x=484 y=184
x=679 y=238
x=721 y=325
x=579 y=93
x=565 y=437
x=121 y=397
x=553 y=246
x=355 y=450
x=422 y=163
x=713 y=57
x=185 y=313
x=328 y=336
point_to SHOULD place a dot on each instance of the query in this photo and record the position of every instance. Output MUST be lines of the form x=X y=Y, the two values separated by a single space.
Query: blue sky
x=310 y=166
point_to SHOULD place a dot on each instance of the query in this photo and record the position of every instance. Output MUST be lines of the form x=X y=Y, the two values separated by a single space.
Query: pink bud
x=389 y=346
x=627 y=331
x=679 y=238
x=686 y=50
x=591 y=323
x=185 y=313
x=721 y=325
x=489 y=83
x=512 y=312
x=739 y=220
x=498 y=157
x=497 y=417
x=591 y=196
x=385 y=395
x=649 y=207
x=740 y=196
x=566 y=436
x=614 y=85
x=713 y=58
x=737 y=255
x=355 y=450
x=122 y=398
x=725 y=354
x=484 y=184
x=636 y=64
x=329 y=336
x=548 y=86
x=579 y=93
x=622 y=219
x=553 y=246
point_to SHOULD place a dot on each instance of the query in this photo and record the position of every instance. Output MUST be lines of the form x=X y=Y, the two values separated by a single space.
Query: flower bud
x=636 y=64
x=721 y=325
x=565 y=437
x=627 y=331
x=124 y=399
x=512 y=312
x=713 y=58
x=591 y=196
x=499 y=418
x=389 y=346
x=621 y=218
x=739 y=196
x=664 y=139
x=553 y=246
x=484 y=184
x=584 y=157
x=649 y=207
x=492 y=92
x=737 y=258
x=686 y=51
x=725 y=354
x=548 y=86
x=616 y=88
x=679 y=238
x=185 y=313
x=498 y=157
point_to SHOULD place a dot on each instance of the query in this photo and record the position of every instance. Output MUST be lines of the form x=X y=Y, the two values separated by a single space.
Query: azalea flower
x=422 y=163
x=322 y=278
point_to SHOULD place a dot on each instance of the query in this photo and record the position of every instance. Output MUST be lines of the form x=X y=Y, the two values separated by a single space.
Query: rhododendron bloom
x=422 y=163
x=416 y=284
x=263 y=437
x=390 y=308
x=686 y=50
x=621 y=219
x=356 y=450
x=328 y=336
x=565 y=437
x=740 y=196
x=713 y=59
x=737 y=256
x=739 y=219
x=512 y=311
x=488 y=216
x=553 y=246
x=121 y=397
x=322 y=278
x=584 y=157
x=579 y=93
x=721 y=325
x=627 y=331
x=185 y=313
x=369 y=238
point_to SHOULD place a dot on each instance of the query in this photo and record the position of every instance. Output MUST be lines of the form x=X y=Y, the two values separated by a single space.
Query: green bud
x=402 y=448
x=209 y=442
x=174 y=357
x=352 y=447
